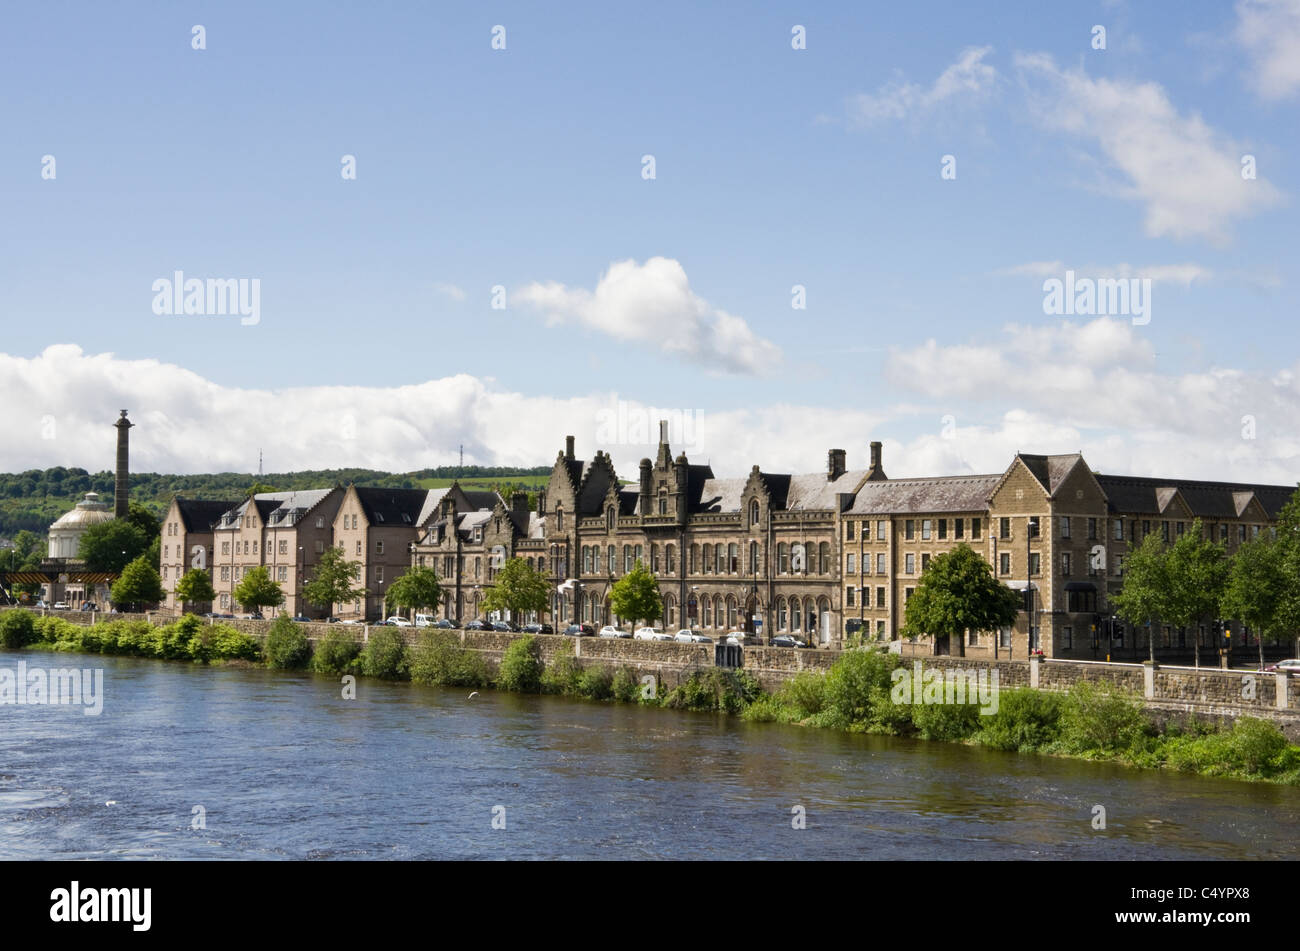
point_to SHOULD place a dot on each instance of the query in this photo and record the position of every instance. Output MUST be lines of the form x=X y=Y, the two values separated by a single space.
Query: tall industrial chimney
x=120 y=484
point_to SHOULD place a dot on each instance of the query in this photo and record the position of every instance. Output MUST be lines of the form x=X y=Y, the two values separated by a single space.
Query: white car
x=690 y=637
x=60 y=606
x=424 y=620
x=651 y=634
x=399 y=621
x=609 y=630
x=738 y=638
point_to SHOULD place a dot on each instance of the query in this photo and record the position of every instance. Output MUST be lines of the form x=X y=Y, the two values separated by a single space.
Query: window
x=848 y=598
x=1065 y=563
x=1117 y=529
x=880 y=563
x=1119 y=566
x=609 y=519
x=849 y=564
x=733 y=558
x=880 y=597
x=663 y=503
x=1004 y=564
x=909 y=564
x=320 y=546
x=753 y=558
x=943 y=528
x=627 y=558
x=925 y=529
x=780 y=615
x=782 y=558
x=866 y=531
x=753 y=513
x=379 y=548
x=1164 y=530
x=284 y=547
x=1223 y=533
x=225 y=548
x=1092 y=529
x=1241 y=533
x=1004 y=637
x=1065 y=526
x=925 y=561
x=880 y=530
x=358 y=547
x=959 y=528
x=245 y=546
x=909 y=529
x=1034 y=563
x=559 y=519
x=320 y=521
x=283 y=573
x=1178 y=528
x=975 y=529
x=638 y=554
x=880 y=629
x=379 y=571
x=1004 y=528
x=670 y=558
x=849 y=528
x=1254 y=531
x=613 y=564
x=1067 y=635
x=1146 y=527
x=1033 y=526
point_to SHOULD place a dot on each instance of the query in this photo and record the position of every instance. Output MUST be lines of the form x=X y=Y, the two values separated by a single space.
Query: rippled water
x=286 y=768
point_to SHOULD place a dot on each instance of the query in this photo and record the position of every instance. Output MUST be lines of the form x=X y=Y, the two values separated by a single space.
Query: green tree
x=417 y=588
x=636 y=596
x=518 y=588
x=25 y=556
x=1143 y=598
x=111 y=546
x=286 y=647
x=25 y=544
x=258 y=488
x=195 y=587
x=139 y=584
x=1196 y=570
x=149 y=524
x=1256 y=588
x=334 y=581
x=256 y=590
x=959 y=593
x=1288 y=538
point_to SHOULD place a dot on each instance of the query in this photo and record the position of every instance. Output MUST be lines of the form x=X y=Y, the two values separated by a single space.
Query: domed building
x=65 y=534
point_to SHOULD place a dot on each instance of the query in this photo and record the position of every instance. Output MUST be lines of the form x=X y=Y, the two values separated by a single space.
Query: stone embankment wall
x=1169 y=691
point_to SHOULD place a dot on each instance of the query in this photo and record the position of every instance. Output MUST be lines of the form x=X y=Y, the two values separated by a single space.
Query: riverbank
x=860 y=693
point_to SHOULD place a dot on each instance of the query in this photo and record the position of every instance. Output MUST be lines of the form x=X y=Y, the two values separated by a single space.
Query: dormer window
x=753 y=513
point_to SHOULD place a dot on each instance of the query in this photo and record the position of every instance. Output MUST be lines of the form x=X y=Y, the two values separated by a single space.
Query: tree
x=1288 y=539
x=195 y=587
x=148 y=523
x=1256 y=588
x=258 y=488
x=418 y=588
x=958 y=593
x=1142 y=599
x=138 y=584
x=636 y=596
x=518 y=588
x=334 y=580
x=256 y=590
x=1196 y=570
x=111 y=546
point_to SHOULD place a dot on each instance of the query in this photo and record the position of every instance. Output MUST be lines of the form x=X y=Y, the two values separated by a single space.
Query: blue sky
x=774 y=167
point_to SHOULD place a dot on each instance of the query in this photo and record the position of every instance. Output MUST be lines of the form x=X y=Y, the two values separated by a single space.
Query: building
x=187 y=543
x=377 y=528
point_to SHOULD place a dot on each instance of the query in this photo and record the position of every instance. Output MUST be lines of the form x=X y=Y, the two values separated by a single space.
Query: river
x=284 y=768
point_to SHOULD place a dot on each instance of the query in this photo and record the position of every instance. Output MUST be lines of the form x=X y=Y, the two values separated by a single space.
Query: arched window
x=670 y=559
x=707 y=603
x=559 y=519
x=627 y=558
x=663 y=501
x=654 y=559
x=780 y=614
x=670 y=611
x=639 y=555
x=718 y=617
x=753 y=513
x=609 y=519
x=731 y=613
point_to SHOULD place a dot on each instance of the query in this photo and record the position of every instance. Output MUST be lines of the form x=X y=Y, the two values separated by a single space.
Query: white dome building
x=65 y=534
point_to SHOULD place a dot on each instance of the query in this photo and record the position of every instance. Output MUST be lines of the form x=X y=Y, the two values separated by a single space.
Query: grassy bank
x=856 y=695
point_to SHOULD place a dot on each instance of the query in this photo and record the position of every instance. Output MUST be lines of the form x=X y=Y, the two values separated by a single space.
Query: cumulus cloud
x=653 y=303
x=968 y=76
x=1187 y=175
x=1269 y=31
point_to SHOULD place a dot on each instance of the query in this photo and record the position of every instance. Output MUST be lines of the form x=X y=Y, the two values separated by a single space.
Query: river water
x=283 y=767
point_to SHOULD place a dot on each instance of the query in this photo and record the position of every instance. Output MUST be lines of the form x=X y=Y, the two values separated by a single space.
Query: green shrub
x=521 y=666
x=1253 y=747
x=17 y=629
x=385 y=654
x=773 y=708
x=626 y=687
x=856 y=695
x=1100 y=720
x=61 y=634
x=439 y=660
x=175 y=640
x=724 y=691
x=133 y=637
x=805 y=692
x=563 y=673
x=596 y=683
x=335 y=654
x=287 y=647
x=1026 y=720
x=946 y=721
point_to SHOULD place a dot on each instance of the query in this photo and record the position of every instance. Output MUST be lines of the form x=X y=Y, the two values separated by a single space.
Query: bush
x=175 y=640
x=946 y=721
x=1100 y=719
x=596 y=683
x=521 y=666
x=62 y=635
x=773 y=708
x=625 y=686
x=439 y=660
x=133 y=637
x=856 y=695
x=1026 y=720
x=805 y=693
x=287 y=647
x=335 y=654
x=17 y=629
x=723 y=691
x=385 y=654
x=563 y=673
x=1252 y=747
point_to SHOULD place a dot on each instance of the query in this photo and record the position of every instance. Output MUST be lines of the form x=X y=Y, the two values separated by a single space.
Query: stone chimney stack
x=834 y=464
x=519 y=506
x=877 y=471
x=568 y=448
x=121 y=485
x=646 y=496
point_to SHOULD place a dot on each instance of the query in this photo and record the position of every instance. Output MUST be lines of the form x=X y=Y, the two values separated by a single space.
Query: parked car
x=301 y=618
x=1291 y=666
x=690 y=637
x=477 y=626
x=445 y=624
x=739 y=638
x=609 y=630
x=62 y=606
x=580 y=630
x=351 y=620
x=424 y=620
x=332 y=620
x=788 y=640
x=40 y=604
x=651 y=634
x=383 y=623
x=252 y=616
x=506 y=627
x=398 y=621
x=89 y=606
x=537 y=629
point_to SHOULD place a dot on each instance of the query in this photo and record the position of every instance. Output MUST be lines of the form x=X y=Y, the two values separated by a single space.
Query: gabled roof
x=274 y=507
x=965 y=493
x=1208 y=500
x=720 y=495
x=391 y=506
x=1050 y=471
x=814 y=492
x=199 y=515
x=430 y=506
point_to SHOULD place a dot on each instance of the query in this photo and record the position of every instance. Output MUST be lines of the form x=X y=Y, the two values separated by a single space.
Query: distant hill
x=33 y=499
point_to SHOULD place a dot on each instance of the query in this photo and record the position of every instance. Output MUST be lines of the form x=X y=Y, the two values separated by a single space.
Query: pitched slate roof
x=814 y=492
x=391 y=506
x=1050 y=471
x=199 y=515
x=965 y=493
x=430 y=506
x=277 y=505
x=1218 y=500
x=720 y=495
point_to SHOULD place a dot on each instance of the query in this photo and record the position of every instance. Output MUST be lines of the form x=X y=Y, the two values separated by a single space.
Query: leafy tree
x=521 y=666
x=1196 y=571
x=195 y=587
x=256 y=590
x=1288 y=538
x=1144 y=597
x=25 y=544
x=518 y=588
x=111 y=546
x=959 y=593
x=417 y=588
x=287 y=647
x=258 y=488
x=636 y=596
x=148 y=523
x=1256 y=588
x=139 y=584
x=334 y=581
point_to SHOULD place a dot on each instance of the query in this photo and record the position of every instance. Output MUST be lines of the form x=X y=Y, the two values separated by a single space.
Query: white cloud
x=1186 y=174
x=653 y=303
x=449 y=290
x=1269 y=30
x=969 y=76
